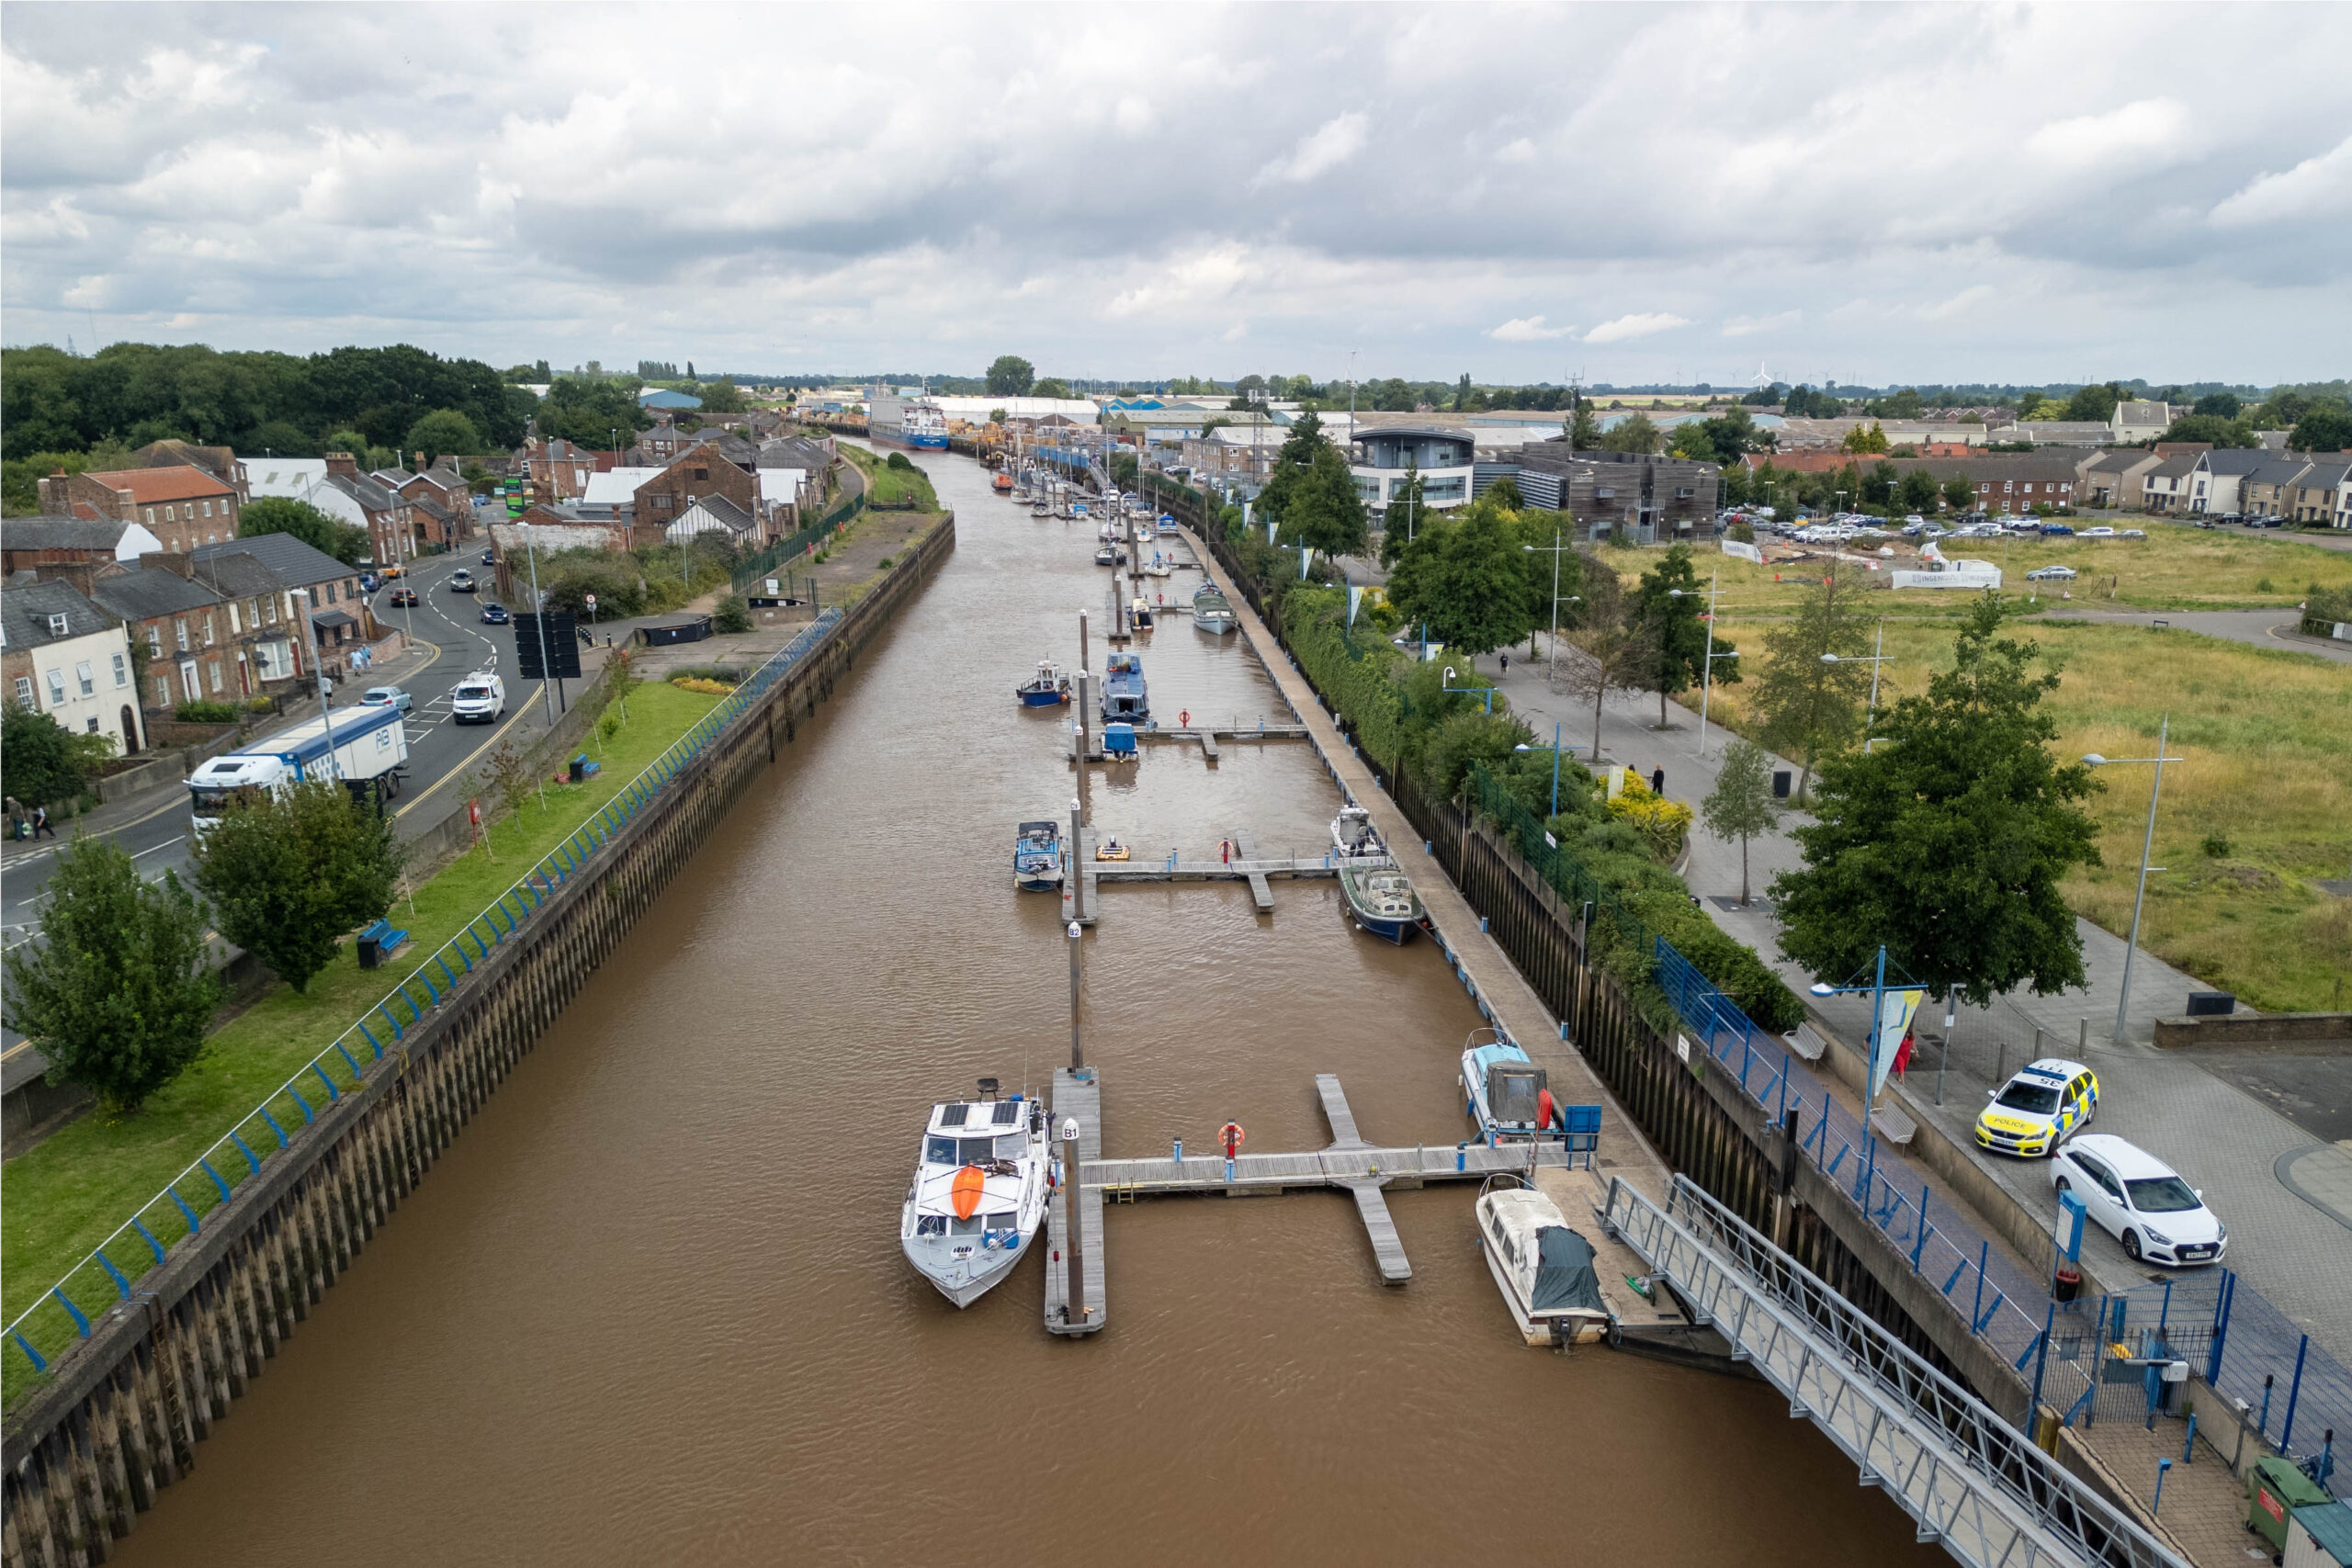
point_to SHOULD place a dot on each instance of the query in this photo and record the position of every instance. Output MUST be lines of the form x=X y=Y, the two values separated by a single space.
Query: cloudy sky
x=1869 y=194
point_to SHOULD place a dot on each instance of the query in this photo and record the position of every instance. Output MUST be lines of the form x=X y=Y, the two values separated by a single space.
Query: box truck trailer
x=364 y=749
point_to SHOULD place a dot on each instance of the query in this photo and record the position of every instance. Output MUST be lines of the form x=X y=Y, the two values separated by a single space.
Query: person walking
x=15 y=818
x=1506 y=663
x=1658 y=783
x=40 y=822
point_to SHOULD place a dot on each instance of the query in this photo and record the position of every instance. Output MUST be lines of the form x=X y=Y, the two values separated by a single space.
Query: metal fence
x=2236 y=1341
x=791 y=548
x=146 y=1239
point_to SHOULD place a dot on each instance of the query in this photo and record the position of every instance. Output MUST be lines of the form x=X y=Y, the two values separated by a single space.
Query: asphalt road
x=443 y=626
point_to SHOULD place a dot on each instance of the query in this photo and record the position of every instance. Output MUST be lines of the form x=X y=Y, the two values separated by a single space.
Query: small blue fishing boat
x=1037 y=857
x=1504 y=1092
x=1049 y=688
x=1167 y=523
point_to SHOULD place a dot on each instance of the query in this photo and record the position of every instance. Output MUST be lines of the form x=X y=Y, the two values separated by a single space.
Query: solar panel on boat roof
x=954 y=1115
x=1007 y=1113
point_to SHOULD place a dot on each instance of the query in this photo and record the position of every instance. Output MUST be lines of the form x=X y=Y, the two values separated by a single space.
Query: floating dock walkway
x=1077 y=1096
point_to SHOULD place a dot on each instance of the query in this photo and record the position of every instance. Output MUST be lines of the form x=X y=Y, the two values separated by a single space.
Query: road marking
x=520 y=714
x=166 y=844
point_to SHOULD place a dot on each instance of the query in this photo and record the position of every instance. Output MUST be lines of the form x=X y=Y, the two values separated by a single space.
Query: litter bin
x=579 y=767
x=1782 y=780
x=2068 y=1284
x=371 y=954
x=2275 y=1488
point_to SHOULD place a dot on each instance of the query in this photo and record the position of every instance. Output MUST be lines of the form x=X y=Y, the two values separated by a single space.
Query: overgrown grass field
x=2254 y=815
x=68 y=1192
x=2173 y=568
x=890 y=486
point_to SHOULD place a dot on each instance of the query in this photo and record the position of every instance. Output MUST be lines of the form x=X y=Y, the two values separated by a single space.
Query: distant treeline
x=130 y=393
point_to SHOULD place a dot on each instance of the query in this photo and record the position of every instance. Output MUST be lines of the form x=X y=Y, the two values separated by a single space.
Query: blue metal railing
x=2233 y=1338
x=56 y=1318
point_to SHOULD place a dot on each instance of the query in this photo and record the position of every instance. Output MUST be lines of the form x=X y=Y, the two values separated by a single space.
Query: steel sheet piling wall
x=122 y=1412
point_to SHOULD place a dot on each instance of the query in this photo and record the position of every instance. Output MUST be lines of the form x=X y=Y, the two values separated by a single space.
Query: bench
x=1893 y=1125
x=378 y=942
x=581 y=768
x=1806 y=1041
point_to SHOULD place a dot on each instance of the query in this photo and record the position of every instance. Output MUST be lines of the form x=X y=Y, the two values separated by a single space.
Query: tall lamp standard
x=1557 y=546
x=1869 y=715
x=2147 y=845
x=1707 y=673
x=1556 y=764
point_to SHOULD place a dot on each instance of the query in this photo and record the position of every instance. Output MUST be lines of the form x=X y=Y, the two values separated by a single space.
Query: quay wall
x=121 y=1413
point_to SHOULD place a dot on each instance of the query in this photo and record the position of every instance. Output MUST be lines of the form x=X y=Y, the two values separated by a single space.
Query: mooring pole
x=1074 y=1242
x=1077 y=1050
x=1075 y=869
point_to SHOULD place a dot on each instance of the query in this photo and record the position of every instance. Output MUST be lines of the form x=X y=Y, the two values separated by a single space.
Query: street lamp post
x=1557 y=546
x=2147 y=846
x=319 y=668
x=1869 y=715
x=1485 y=691
x=1556 y=764
x=1707 y=670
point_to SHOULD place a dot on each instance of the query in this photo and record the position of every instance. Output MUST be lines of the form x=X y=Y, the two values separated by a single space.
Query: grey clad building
x=1651 y=498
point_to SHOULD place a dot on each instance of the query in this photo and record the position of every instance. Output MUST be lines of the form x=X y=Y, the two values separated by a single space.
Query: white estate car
x=2139 y=1200
x=479 y=698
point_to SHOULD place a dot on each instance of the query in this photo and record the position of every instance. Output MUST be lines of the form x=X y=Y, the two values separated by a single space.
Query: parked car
x=2139 y=1200
x=2044 y=1101
x=2052 y=574
x=386 y=697
x=1913 y=518
x=2056 y=531
x=2101 y=533
x=403 y=597
x=461 y=581
x=494 y=613
x=369 y=582
x=2133 y=534
x=479 y=698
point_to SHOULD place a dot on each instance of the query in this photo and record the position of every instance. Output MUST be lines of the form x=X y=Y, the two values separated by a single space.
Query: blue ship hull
x=893 y=435
x=1399 y=932
x=1033 y=699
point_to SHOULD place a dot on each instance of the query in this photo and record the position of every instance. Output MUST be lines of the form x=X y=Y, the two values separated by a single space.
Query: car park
x=2052 y=574
x=386 y=697
x=403 y=598
x=479 y=698
x=2042 y=1102
x=2139 y=1201
x=494 y=613
x=461 y=581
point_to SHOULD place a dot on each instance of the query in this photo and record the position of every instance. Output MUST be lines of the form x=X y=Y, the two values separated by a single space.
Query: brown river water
x=651 y=1308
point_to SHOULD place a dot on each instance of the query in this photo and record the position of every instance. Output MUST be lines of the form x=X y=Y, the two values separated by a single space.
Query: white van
x=479 y=698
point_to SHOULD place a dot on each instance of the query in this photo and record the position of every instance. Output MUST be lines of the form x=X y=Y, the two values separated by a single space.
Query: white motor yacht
x=1543 y=1268
x=979 y=1194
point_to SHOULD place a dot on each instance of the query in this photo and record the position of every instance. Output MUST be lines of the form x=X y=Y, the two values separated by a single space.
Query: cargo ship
x=906 y=422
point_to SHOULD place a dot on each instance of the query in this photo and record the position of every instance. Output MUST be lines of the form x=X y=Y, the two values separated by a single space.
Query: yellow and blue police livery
x=2040 y=1104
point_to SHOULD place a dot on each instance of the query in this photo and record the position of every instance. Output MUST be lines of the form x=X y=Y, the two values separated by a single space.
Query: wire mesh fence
x=147 y=1238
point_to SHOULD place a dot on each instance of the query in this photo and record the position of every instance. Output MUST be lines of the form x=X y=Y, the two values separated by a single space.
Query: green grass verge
x=890 y=486
x=69 y=1193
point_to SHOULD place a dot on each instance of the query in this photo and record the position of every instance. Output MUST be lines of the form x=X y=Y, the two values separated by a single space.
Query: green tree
x=1672 y=610
x=288 y=874
x=119 y=988
x=1947 y=843
x=444 y=433
x=1462 y=393
x=588 y=409
x=2324 y=427
x=1465 y=578
x=1861 y=441
x=1634 y=433
x=2095 y=402
x=1584 y=429
x=42 y=762
x=1051 y=387
x=1393 y=396
x=1610 y=643
x=1741 y=806
x=722 y=396
x=2221 y=405
x=1959 y=493
x=282 y=514
x=1916 y=491
x=733 y=615
x=996 y=416
x=1011 y=377
x=1323 y=509
x=1812 y=707
x=2033 y=405
x=2212 y=429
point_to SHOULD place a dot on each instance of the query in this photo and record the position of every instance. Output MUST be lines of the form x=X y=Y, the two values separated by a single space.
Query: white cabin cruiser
x=1507 y=1095
x=1543 y=1268
x=979 y=1195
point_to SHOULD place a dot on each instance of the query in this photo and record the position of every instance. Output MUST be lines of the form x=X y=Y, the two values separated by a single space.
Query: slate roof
x=292 y=563
x=793 y=452
x=720 y=510
x=150 y=591
x=51 y=531
x=27 y=607
x=236 y=575
x=371 y=495
x=2237 y=460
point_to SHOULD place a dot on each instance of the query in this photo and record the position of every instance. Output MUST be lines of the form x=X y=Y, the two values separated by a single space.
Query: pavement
x=2261 y=629
x=447 y=642
x=2292 y=1243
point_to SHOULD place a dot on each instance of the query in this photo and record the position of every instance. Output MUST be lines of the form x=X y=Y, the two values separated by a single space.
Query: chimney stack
x=342 y=463
x=179 y=564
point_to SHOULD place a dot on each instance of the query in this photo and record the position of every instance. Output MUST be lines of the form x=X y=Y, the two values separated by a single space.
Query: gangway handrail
x=1969 y=1478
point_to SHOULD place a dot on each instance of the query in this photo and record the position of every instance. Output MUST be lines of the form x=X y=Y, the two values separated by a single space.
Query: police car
x=2042 y=1103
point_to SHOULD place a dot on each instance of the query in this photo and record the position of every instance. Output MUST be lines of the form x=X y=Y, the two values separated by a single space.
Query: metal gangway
x=1969 y=1479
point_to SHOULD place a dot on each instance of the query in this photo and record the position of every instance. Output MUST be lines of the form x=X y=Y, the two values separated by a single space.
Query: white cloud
x=1943 y=310
x=1625 y=328
x=1528 y=328
x=2315 y=190
x=1748 y=326
x=1331 y=144
x=2149 y=127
